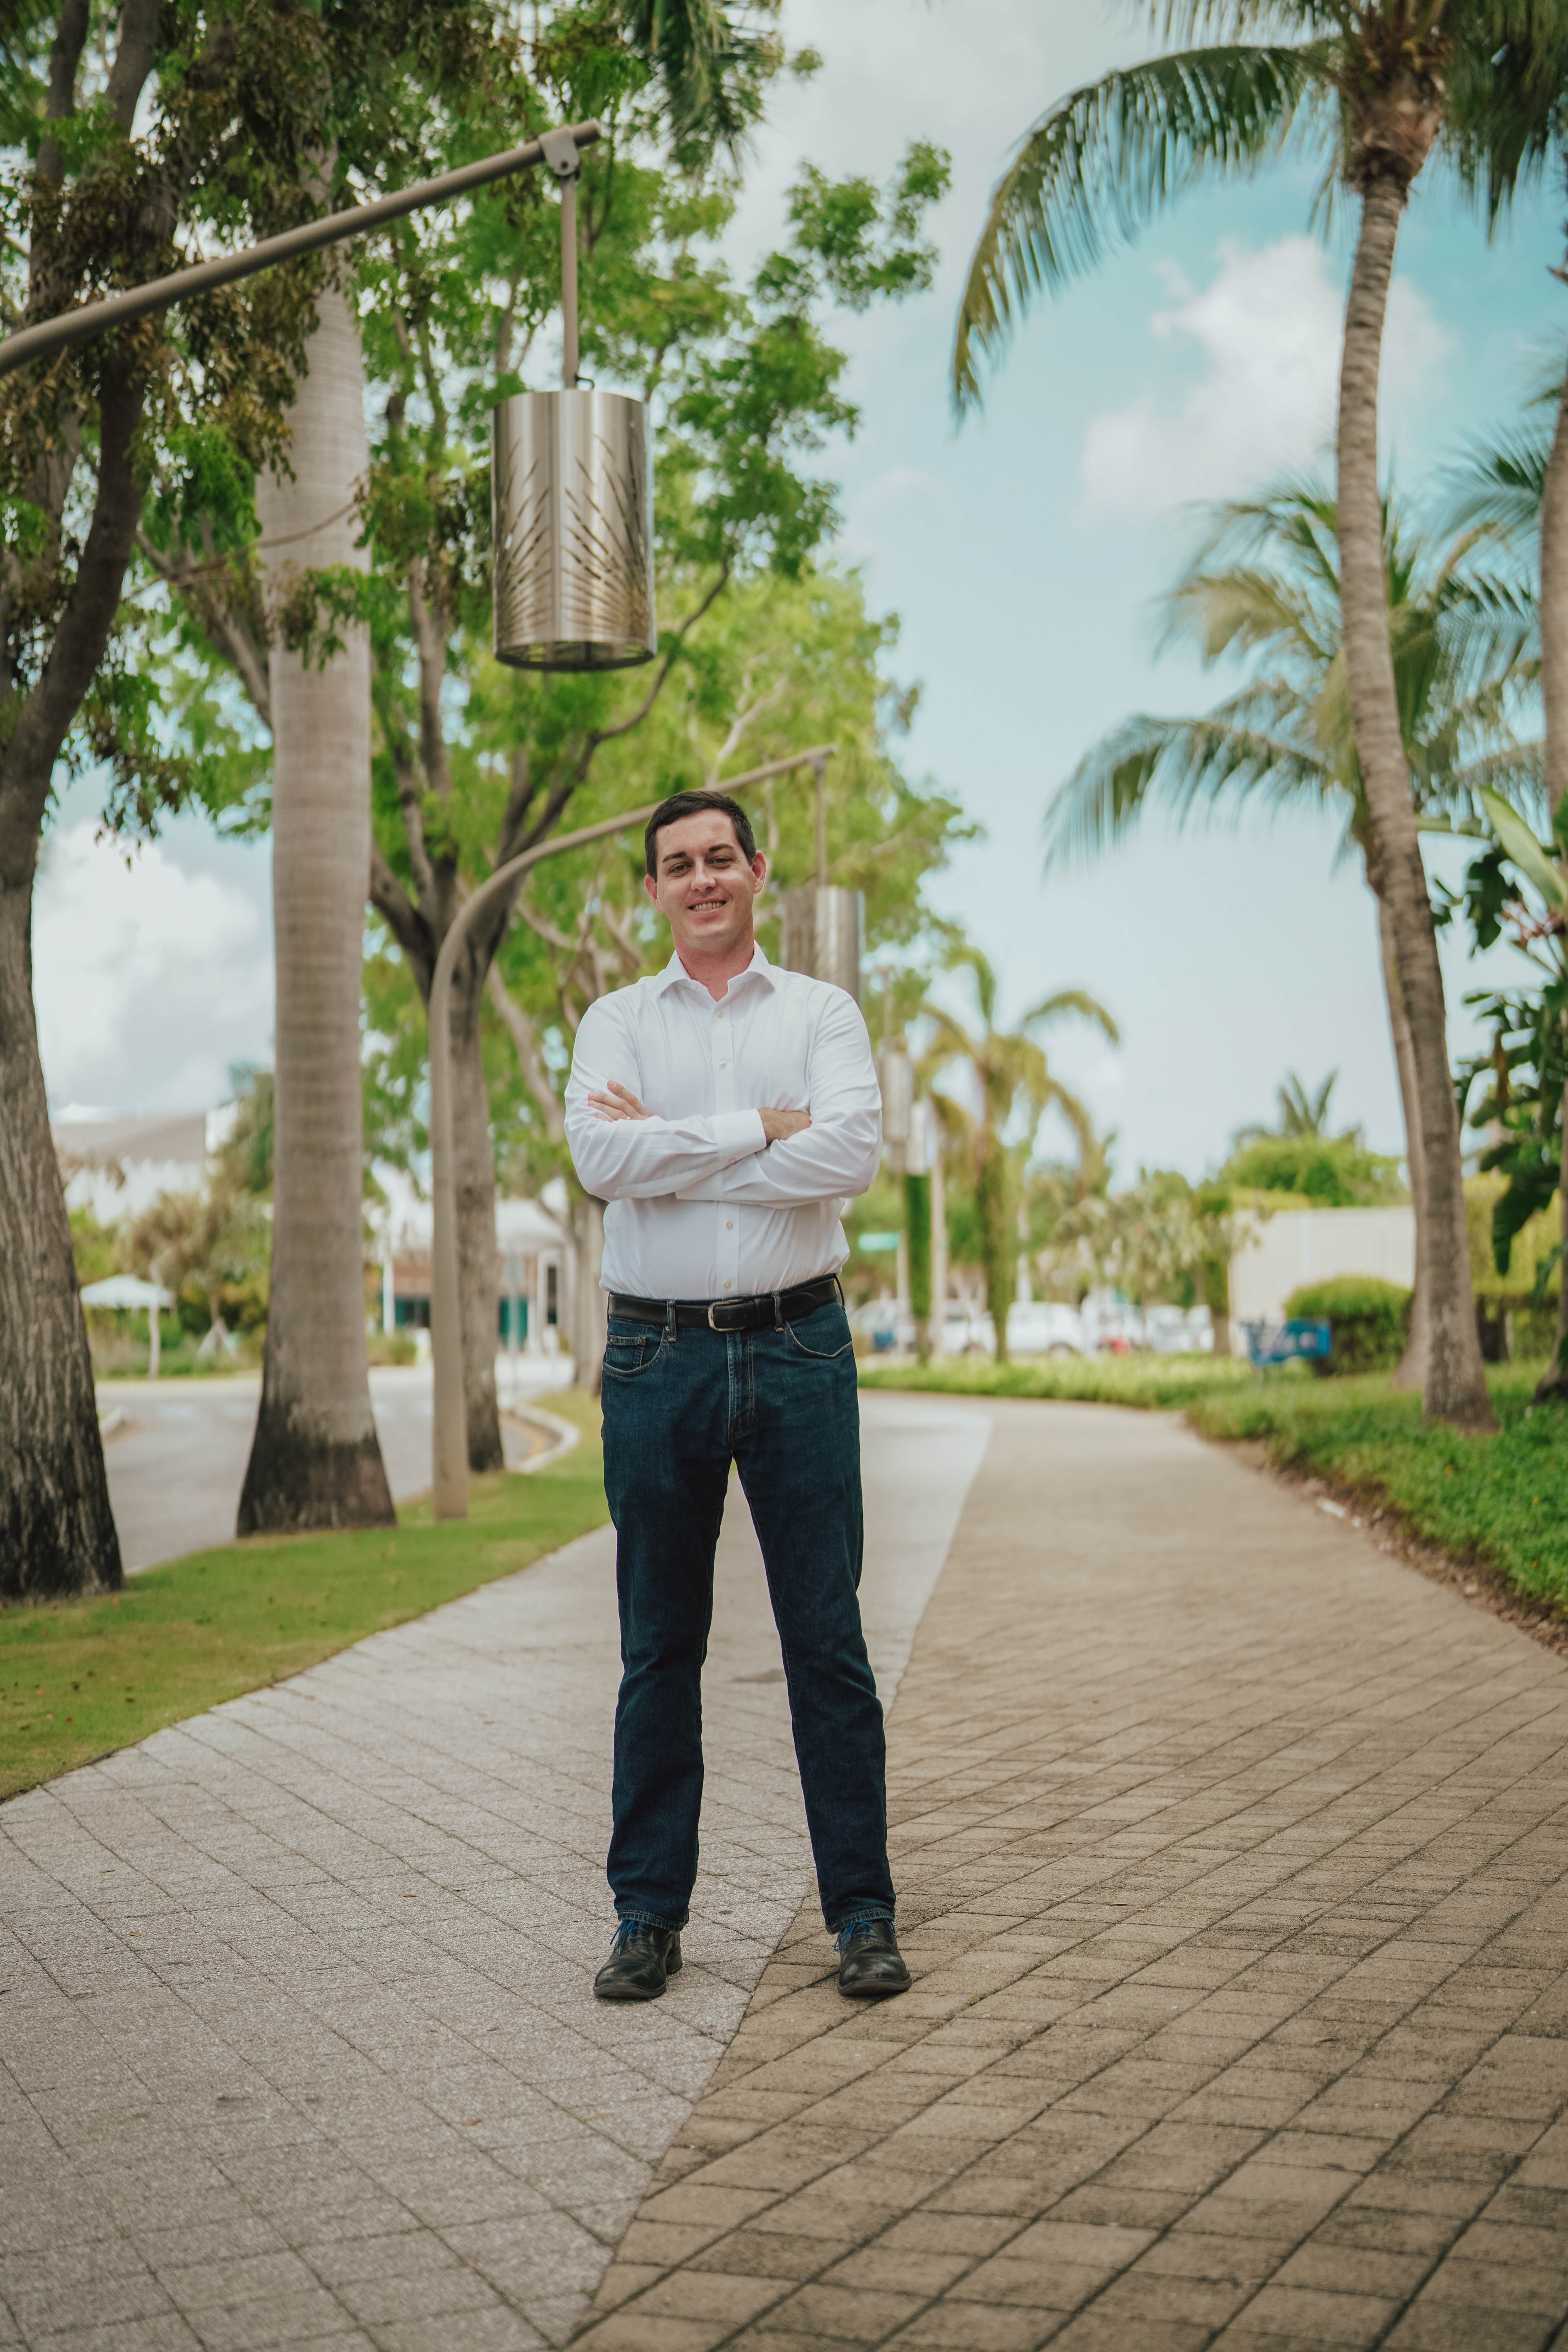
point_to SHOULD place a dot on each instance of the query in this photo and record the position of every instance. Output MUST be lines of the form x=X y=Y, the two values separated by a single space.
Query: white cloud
x=1268 y=328
x=150 y=978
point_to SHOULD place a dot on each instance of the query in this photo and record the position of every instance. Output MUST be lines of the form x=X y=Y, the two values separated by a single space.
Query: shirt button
x=729 y=1286
x=729 y=1224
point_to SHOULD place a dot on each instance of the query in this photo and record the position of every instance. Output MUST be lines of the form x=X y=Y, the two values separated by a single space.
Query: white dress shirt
x=700 y=1204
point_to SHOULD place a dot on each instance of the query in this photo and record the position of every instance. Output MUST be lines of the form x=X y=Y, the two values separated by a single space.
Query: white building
x=1298 y=1246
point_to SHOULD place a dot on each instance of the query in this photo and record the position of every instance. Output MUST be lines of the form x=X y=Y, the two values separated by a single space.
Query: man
x=724 y=1110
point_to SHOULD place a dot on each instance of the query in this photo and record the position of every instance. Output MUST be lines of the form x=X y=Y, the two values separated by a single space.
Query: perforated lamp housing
x=572 y=490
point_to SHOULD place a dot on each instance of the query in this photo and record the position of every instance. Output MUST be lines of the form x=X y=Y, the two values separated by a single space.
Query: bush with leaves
x=1367 y=1321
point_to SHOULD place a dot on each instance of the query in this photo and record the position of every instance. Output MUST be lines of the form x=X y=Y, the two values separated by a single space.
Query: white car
x=1042 y=1326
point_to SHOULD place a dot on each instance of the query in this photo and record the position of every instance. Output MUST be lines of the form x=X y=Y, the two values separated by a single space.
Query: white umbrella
x=125 y=1290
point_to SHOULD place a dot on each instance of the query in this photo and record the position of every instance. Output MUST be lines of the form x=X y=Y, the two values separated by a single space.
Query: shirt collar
x=675 y=972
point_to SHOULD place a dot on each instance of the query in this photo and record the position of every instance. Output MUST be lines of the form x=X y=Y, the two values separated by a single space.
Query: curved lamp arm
x=449 y=1467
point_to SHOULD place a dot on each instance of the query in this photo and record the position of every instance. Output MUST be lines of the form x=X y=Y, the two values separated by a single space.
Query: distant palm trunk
x=1554 y=697
x=473 y=1154
x=586 y=1224
x=1455 y=1387
x=315 y=1461
x=1411 y=1372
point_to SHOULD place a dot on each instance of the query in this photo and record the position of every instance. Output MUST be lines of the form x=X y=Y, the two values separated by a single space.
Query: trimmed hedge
x=1368 y=1321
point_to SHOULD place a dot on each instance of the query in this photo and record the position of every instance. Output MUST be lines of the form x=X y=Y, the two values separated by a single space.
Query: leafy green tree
x=1520 y=885
x=125 y=137
x=1337 y=1171
x=1266 y=587
x=1375 y=86
x=1008 y=1073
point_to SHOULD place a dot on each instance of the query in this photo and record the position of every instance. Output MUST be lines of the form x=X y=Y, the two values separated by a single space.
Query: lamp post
x=449 y=1468
x=92 y=319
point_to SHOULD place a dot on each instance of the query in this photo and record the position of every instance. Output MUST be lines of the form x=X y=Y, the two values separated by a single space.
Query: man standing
x=725 y=1109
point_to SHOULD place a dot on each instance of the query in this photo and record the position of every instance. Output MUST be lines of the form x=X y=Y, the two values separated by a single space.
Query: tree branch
x=229 y=629
x=403 y=919
x=521 y=1031
x=132 y=60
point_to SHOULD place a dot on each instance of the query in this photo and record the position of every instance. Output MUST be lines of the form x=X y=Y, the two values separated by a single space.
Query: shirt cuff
x=738 y=1135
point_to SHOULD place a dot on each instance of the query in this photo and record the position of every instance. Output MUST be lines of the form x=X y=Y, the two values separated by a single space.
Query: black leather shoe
x=869 y=1961
x=642 y=1961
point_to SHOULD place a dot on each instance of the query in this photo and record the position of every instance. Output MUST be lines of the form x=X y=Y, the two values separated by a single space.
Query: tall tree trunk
x=475 y=1170
x=998 y=1250
x=315 y=1460
x=586 y=1218
x=1555 y=698
x=1455 y=1388
x=1411 y=1372
x=57 y=1531
x=938 y=1241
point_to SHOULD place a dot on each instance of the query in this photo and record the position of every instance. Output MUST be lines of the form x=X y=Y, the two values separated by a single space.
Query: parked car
x=1041 y=1327
x=1179 y=1330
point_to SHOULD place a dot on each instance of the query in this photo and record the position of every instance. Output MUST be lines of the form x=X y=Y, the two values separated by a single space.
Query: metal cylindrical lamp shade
x=823 y=931
x=574 y=532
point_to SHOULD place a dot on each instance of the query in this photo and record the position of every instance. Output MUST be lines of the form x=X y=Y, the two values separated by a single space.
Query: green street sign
x=874 y=1242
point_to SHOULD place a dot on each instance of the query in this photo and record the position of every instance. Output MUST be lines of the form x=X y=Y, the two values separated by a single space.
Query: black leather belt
x=769 y=1310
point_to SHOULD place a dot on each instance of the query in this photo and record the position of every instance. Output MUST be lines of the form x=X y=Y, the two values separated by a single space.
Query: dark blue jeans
x=782 y=1405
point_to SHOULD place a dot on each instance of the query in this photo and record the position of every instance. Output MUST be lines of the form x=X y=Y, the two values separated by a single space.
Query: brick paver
x=1234 y=1870
x=296 y=2043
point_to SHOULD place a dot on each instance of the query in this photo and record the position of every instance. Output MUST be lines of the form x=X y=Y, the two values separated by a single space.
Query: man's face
x=703 y=883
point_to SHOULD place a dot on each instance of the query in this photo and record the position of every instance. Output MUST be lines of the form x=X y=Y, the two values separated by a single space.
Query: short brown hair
x=679 y=805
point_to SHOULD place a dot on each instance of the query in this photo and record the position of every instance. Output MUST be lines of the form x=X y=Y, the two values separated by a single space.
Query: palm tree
x=1376 y=83
x=1008 y=1070
x=315 y=1460
x=1267 y=583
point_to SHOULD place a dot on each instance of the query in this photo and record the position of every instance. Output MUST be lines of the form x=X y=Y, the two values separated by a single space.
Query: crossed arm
x=772 y=1158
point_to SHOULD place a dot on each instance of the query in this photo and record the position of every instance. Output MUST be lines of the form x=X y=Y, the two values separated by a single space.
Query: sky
x=1022 y=552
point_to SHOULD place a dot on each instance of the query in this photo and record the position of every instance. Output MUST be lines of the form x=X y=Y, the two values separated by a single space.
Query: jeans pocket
x=824 y=1334
x=627 y=1357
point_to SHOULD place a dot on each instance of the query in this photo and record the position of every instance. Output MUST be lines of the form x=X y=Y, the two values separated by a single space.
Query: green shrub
x=1367 y=1320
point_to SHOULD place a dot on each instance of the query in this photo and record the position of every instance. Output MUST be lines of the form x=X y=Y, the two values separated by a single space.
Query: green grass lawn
x=1170 y=1382
x=80 y=1677
x=1501 y=1500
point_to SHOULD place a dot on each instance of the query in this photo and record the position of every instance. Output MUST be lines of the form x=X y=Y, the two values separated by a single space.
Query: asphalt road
x=176 y=1462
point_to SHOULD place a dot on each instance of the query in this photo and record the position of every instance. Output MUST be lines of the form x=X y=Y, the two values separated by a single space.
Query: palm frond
x=712 y=63
x=1501 y=483
x=1111 y=156
x=1072 y=1000
x=1504 y=97
x=1180 y=765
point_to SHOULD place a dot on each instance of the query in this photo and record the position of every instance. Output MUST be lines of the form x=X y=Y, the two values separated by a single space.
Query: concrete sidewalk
x=1234 y=1868
x=299 y=2046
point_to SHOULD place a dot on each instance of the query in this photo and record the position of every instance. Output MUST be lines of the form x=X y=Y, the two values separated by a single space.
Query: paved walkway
x=1233 y=1860
x=297 y=2043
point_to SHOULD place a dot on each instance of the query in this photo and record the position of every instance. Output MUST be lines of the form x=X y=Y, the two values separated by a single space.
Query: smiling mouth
x=707 y=905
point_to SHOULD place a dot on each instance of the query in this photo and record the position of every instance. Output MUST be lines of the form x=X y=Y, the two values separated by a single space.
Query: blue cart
x=1279 y=1343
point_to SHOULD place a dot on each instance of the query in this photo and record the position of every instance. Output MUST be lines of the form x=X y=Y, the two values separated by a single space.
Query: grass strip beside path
x=1168 y=1383
x=1501 y=1500
x=78 y=1679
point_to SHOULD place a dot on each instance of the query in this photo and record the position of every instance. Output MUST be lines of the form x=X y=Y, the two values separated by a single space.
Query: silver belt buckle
x=711 y=1305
